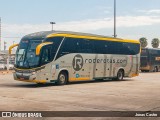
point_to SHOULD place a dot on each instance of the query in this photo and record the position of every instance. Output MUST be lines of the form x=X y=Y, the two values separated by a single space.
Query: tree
x=155 y=43
x=143 y=42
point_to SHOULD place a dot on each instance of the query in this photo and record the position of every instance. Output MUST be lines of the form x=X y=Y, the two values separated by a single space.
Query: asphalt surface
x=141 y=93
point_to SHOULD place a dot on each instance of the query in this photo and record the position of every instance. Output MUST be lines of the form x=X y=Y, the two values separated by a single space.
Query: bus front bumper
x=27 y=77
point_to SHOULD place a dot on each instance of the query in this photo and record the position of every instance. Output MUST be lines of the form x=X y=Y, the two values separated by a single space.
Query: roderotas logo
x=77 y=62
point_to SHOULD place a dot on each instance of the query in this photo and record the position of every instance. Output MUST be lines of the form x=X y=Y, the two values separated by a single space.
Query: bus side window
x=46 y=55
x=89 y=46
x=100 y=47
x=75 y=45
x=68 y=46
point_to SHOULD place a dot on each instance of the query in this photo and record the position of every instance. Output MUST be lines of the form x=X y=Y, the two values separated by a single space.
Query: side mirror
x=11 y=47
x=40 y=46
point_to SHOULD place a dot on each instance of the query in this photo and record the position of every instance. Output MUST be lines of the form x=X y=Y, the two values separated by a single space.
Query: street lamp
x=52 y=24
x=115 y=19
x=0 y=33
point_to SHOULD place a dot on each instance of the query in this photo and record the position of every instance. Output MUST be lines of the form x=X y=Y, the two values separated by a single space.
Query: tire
x=5 y=68
x=120 y=75
x=62 y=78
x=155 y=69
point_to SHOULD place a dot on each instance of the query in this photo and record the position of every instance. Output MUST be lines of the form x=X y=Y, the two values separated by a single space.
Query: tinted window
x=76 y=45
x=23 y=44
x=131 y=48
x=153 y=52
x=46 y=55
x=86 y=46
x=70 y=45
x=110 y=47
x=54 y=47
x=101 y=47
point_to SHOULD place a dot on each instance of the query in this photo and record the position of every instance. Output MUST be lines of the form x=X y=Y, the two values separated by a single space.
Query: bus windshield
x=26 y=53
x=25 y=56
x=144 y=52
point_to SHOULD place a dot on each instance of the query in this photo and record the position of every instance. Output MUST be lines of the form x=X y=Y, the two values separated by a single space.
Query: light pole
x=115 y=35
x=52 y=24
x=5 y=45
x=0 y=33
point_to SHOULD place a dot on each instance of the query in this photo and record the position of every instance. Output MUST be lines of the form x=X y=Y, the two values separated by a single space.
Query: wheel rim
x=120 y=75
x=62 y=78
x=155 y=69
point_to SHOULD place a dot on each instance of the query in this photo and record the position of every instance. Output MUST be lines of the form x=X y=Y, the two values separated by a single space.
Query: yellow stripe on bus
x=34 y=81
x=92 y=38
x=38 y=48
x=79 y=79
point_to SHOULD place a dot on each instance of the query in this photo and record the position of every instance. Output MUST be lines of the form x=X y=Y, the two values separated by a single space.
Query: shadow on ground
x=33 y=85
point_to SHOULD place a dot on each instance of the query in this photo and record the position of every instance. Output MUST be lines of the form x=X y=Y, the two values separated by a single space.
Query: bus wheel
x=120 y=75
x=62 y=78
x=155 y=69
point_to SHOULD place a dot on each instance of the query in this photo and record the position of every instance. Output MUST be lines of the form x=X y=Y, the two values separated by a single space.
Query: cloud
x=104 y=9
x=153 y=11
x=83 y=25
x=88 y=25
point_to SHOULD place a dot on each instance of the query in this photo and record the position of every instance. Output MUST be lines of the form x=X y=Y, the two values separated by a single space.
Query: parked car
x=2 y=66
x=11 y=66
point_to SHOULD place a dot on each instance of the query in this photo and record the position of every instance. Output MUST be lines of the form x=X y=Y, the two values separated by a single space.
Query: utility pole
x=5 y=45
x=0 y=33
x=115 y=35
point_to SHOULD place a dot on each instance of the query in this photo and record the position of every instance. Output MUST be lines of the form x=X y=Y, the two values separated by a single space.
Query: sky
x=135 y=18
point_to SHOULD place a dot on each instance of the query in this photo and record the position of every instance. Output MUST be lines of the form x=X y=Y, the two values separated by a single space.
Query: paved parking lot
x=141 y=93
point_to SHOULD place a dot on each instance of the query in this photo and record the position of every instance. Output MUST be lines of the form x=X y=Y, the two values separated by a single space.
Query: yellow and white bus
x=61 y=57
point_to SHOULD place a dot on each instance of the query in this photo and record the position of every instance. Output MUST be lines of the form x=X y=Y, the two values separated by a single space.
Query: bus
x=150 y=60
x=62 y=56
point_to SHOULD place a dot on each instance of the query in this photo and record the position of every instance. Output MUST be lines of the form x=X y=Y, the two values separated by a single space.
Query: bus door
x=99 y=69
x=46 y=57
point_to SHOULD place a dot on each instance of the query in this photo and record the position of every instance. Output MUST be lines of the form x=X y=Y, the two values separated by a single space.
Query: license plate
x=21 y=78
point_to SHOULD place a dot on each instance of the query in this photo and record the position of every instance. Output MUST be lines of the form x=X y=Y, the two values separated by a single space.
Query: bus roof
x=49 y=34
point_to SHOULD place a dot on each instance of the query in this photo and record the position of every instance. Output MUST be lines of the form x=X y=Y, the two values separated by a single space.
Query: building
x=6 y=59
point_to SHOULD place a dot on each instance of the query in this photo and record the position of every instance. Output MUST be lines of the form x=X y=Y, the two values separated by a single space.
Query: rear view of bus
x=61 y=57
x=150 y=60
